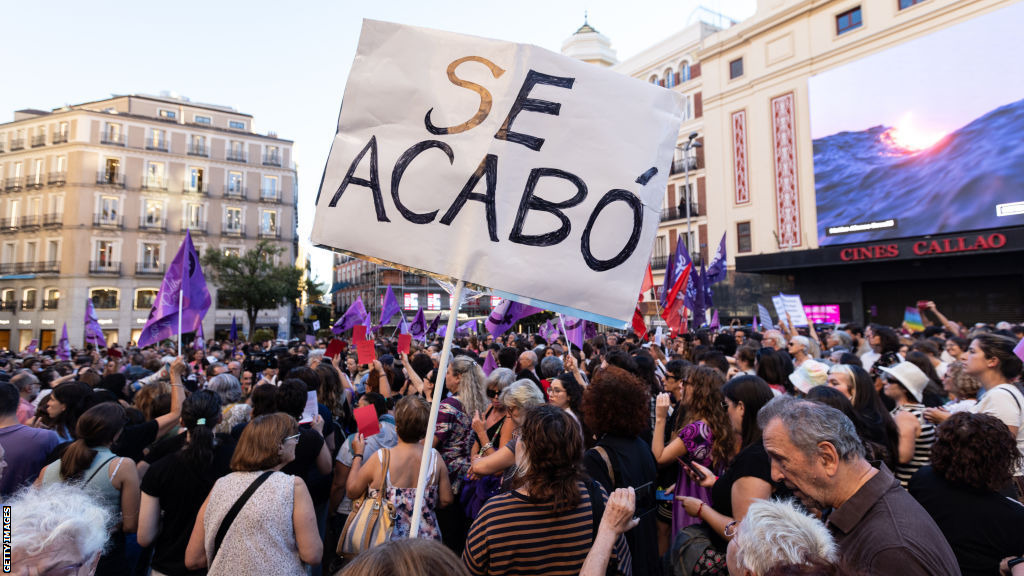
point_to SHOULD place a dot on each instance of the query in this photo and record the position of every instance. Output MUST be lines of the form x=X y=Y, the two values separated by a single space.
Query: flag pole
x=181 y=300
x=568 y=344
x=435 y=404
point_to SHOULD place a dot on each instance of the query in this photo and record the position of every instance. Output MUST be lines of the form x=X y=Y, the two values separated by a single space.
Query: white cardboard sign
x=791 y=305
x=501 y=164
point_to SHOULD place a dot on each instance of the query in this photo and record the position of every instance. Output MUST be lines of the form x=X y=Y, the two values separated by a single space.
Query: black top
x=168 y=446
x=304 y=465
x=182 y=489
x=134 y=439
x=751 y=461
x=981 y=527
x=633 y=465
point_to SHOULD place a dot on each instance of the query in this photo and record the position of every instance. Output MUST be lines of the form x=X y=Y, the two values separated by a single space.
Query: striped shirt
x=516 y=536
x=922 y=445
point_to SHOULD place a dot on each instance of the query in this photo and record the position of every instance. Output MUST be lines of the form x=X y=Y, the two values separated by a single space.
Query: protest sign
x=358 y=333
x=334 y=348
x=765 y=317
x=309 y=412
x=366 y=349
x=510 y=162
x=404 y=343
x=791 y=305
x=366 y=420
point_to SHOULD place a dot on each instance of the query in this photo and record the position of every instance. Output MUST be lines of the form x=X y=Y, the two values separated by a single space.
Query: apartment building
x=96 y=199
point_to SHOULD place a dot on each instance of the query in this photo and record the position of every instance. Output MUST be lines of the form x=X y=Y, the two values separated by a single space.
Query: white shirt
x=1006 y=403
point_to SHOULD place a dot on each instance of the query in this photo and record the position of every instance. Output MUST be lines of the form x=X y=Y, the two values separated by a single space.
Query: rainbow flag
x=912 y=319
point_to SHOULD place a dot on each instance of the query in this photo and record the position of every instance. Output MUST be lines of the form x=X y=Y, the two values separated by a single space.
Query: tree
x=252 y=281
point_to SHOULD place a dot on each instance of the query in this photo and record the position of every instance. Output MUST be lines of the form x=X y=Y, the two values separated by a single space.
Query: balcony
x=108 y=267
x=47 y=267
x=194 y=227
x=270 y=195
x=60 y=138
x=51 y=304
x=232 y=232
x=8 y=225
x=143 y=268
x=236 y=156
x=198 y=150
x=36 y=181
x=274 y=234
x=53 y=220
x=30 y=222
x=112 y=139
x=110 y=178
x=683 y=165
x=14 y=184
x=659 y=262
x=39 y=140
x=679 y=212
x=152 y=224
x=158 y=145
x=239 y=192
x=1 y=147
x=17 y=144
x=57 y=178
x=8 y=305
x=28 y=304
x=272 y=160
x=107 y=221
x=199 y=189
x=154 y=184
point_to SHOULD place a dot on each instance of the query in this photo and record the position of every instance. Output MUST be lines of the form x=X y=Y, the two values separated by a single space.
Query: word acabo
x=487 y=171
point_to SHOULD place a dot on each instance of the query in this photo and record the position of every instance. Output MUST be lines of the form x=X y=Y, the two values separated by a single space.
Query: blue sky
x=284 y=63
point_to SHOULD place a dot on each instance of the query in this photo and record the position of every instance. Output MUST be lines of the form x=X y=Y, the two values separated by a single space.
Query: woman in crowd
x=774 y=368
x=747 y=478
x=704 y=436
x=934 y=395
x=615 y=408
x=411 y=557
x=904 y=384
x=555 y=499
x=234 y=410
x=454 y=438
x=856 y=384
x=65 y=404
x=956 y=347
x=113 y=481
x=335 y=392
x=400 y=478
x=519 y=397
x=175 y=486
x=962 y=388
x=565 y=393
x=490 y=429
x=275 y=530
x=875 y=453
x=973 y=459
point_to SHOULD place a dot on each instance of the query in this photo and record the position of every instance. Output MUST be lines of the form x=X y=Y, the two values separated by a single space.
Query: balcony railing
x=201 y=189
x=39 y=140
x=160 y=145
x=112 y=139
x=8 y=224
x=234 y=232
x=194 y=227
x=683 y=165
x=14 y=184
x=36 y=181
x=104 y=267
x=198 y=150
x=272 y=160
x=48 y=267
x=156 y=184
x=51 y=304
x=659 y=262
x=236 y=156
x=28 y=304
x=107 y=221
x=8 y=305
x=60 y=138
x=273 y=234
x=108 y=178
x=30 y=221
x=679 y=212
x=148 y=268
x=237 y=192
x=17 y=144
x=270 y=195
x=53 y=220
x=57 y=178
x=51 y=267
x=151 y=225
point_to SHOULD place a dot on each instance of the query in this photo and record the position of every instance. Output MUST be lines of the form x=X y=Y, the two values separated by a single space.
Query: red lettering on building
x=925 y=247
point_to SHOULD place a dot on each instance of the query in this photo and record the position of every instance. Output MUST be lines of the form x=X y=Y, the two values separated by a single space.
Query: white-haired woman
x=233 y=410
x=517 y=398
x=775 y=533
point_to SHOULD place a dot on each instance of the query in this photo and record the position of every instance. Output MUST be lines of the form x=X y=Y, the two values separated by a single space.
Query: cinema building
x=867 y=155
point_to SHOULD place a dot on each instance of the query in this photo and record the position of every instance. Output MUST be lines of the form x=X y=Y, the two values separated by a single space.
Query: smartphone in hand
x=687 y=460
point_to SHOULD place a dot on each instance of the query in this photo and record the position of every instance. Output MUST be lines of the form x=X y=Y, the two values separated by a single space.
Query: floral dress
x=404 y=500
x=454 y=440
x=697 y=437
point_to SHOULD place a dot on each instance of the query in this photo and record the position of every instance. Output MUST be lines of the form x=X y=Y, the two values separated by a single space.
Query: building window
x=110 y=209
x=202 y=119
x=104 y=298
x=114 y=134
x=197 y=147
x=235 y=183
x=684 y=72
x=236 y=125
x=233 y=219
x=849 y=20
x=62 y=133
x=62 y=164
x=150 y=256
x=28 y=299
x=236 y=152
x=144 y=298
x=195 y=181
x=736 y=68
x=157 y=140
x=52 y=251
x=194 y=216
x=653 y=79
x=52 y=299
x=272 y=156
x=232 y=252
x=9 y=303
x=31 y=251
x=153 y=213
x=156 y=175
x=104 y=255
x=743 y=237
x=269 y=190
x=670 y=78
x=168 y=114
x=268 y=223
x=904 y=4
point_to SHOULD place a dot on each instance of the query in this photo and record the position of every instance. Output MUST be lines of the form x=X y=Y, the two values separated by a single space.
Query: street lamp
x=690 y=145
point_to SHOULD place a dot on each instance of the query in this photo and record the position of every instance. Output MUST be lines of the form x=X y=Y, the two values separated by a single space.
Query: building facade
x=97 y=198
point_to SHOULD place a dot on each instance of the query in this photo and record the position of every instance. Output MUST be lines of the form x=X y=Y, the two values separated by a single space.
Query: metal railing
x=270 y=195
x=153 y=184
x=30 y=221
x=234 y=232
x=202 y=189
x=158 y=226
x=39 y=140
x=106 y=178
x=148 y=268
x=57 y=178
x=194 y=227
x=272 y=160
x=236 y=156
x=60 y=138
x=238 y=192
x=36 y=181
x=160 y=145
x=198 y=150
x=8 y=224
x=53 y=219
x=659 y=262
x=683 y=165
x=17 y=144
x=14 y=184
x=112 y=139
x=107 y=221
x=51 y=304
x=272 y=234
x=679 y=212
x=104 y=267
x=8 y=305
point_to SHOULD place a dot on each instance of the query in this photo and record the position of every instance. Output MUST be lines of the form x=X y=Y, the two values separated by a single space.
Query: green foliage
x=261 y=335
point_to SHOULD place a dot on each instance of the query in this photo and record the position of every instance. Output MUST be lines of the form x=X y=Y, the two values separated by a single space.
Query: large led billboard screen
x=923 y=138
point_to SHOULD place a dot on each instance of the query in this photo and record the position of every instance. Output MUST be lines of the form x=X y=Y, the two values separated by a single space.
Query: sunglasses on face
x=492 y=393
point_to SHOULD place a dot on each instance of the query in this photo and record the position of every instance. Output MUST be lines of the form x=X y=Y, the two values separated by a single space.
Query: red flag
x=648 y=280
x=639 y=326
x=675 y=312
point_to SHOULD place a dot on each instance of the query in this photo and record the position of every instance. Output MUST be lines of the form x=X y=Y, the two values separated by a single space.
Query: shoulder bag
x=372 y=519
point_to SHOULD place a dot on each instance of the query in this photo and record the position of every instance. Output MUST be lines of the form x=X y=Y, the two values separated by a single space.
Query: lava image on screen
x=923 y=138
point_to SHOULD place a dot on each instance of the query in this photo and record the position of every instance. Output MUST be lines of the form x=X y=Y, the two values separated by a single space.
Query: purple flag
x=418 y=328
x=490 y=363
x=64 y=345
x=676 y=264
x=714 y=320
x=755 y=323
x=310 y=340
x=199 y=343
x=506 y=315
x=548 y=331
x=390 y=308
x=442 y=331
x=234 y=329
x=699 y=301
x=93 y=332
x=1019 y=349
x=433 y=325
x=577 y=330
x=32 y=346
x=467 y=328
x=403 y=325
x=183 y=281
x=717 y=270
x=354 y=316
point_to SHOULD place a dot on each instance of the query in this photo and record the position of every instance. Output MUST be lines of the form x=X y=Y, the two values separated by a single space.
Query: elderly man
x=774 y=339
x=775 y=534
x=528 y=367
x=28 y=389
x=878 y=526
x=235 y=367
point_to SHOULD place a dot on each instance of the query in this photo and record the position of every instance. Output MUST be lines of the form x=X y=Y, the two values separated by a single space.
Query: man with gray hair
x=879 y=527
x=775 y=533
x=28 y=389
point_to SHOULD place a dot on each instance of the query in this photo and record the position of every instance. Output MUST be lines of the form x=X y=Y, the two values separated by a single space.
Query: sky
x=943 y=80
x=284 y=63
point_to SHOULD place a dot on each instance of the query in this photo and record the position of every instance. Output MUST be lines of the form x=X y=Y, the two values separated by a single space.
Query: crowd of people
x=835 y=450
